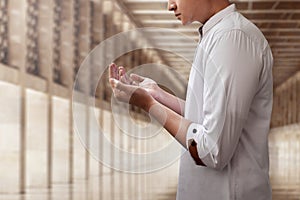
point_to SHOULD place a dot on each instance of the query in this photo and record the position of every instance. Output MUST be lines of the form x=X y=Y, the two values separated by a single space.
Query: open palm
x=148 y=84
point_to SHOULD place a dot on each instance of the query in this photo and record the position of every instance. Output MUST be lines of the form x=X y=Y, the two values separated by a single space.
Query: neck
x=217 y=6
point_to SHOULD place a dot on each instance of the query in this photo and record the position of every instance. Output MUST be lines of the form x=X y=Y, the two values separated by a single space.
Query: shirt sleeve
x=231 y=78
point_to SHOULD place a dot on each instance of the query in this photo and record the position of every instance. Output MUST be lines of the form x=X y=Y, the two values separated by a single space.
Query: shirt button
x=194 y=130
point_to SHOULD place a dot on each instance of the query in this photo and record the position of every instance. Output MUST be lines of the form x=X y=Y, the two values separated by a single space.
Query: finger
x=124 y=79
x=113 y=71
x=121 y=71
x=122 y=75
x=137 y=78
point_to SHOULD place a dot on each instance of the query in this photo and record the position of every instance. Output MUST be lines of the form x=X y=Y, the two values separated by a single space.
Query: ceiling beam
x=233 y=1
x=148 y=11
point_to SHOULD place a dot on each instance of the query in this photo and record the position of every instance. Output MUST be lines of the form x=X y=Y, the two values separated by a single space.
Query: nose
x=172 y=6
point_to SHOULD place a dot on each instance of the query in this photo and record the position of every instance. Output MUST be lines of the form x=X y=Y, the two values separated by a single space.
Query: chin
x=184 y=23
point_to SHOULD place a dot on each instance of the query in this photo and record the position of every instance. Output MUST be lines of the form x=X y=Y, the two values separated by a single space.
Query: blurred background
x=42 y=45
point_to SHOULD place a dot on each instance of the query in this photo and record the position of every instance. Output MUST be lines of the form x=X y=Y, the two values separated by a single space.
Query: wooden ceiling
x=279 y=20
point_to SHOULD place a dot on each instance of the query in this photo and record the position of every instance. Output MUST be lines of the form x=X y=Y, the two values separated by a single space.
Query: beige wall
x=9 y=138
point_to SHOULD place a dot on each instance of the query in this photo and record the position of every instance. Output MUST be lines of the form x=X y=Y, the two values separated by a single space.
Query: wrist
x=150 y=103
x=159 y=94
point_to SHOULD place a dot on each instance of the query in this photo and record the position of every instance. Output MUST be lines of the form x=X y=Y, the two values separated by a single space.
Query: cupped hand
x=119 y=73
x=148 y=84
x=132 y=94
x=134 y=89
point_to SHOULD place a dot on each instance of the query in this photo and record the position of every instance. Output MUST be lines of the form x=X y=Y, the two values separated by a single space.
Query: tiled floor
x=115 y=186
x=284 y=145
x=284 y=173
x=82 y=190
x=138 y=188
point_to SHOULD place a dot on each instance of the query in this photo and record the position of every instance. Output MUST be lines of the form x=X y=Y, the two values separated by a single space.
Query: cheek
x=181 y=6
x=185 y=10
x=187 y=16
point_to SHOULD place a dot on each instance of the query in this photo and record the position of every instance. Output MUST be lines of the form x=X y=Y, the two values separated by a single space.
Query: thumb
x=113 y=82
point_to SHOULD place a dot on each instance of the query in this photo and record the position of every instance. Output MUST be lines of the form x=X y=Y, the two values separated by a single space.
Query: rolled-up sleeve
x=193 y=133
x=231 y=78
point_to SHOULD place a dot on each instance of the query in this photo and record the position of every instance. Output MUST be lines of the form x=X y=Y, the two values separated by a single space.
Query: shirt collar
x=216 y=18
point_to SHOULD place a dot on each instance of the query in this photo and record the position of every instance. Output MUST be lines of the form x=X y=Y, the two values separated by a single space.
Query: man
x=225 y=121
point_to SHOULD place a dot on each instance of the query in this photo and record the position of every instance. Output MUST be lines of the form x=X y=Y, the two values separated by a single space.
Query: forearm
x=174 y=123
x=174 y=103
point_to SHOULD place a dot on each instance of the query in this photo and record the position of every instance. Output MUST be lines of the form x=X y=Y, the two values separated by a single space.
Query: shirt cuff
x=193 y=133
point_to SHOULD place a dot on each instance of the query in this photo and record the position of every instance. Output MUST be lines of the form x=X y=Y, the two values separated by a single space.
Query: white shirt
x=229 y=101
